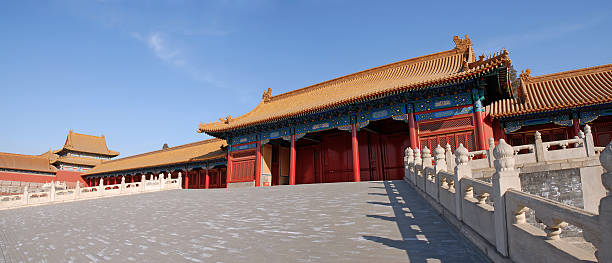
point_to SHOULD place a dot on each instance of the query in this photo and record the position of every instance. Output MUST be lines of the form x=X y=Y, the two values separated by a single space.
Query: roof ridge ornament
x=226 y=120
x=525 y=74
x=267 y=95
x=462 y=45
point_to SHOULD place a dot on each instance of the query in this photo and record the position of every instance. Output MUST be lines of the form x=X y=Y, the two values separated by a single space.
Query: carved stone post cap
x=491 y=142
x=439 y=151
x=587 y=129
x=448 y=147
x=538 y=135
x=417 y=152
x=503 y=150
x=180 y=174
x=408 y=151
x=461 y=154
x=426 y=152
x=606 y=162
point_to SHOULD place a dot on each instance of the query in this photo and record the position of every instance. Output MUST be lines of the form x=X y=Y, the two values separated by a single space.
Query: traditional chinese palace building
x=80 y=153
x=356 y=127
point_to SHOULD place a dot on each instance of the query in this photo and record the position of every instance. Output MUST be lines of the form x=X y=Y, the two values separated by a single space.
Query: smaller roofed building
x=202 y=164
x=82 y=152
x=557 y=105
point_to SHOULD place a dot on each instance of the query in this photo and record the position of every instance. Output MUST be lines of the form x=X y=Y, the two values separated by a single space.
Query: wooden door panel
x=393 y=151
x=305 y=166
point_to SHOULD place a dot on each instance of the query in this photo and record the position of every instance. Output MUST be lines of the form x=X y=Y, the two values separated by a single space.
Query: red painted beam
x=292 y=162
x=356 y=171
x=258 y=165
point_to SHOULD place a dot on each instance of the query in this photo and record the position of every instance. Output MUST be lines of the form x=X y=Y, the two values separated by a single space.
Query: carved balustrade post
x=490 y=152
x=463 y=169
x=450 y=159
x=143 y=180
x=180 y=180
x=77 y=190
x=427 y=163
x=604 y=253
x=506 y=177
x=417 y=162
x=162 y=181
x=52 y=191
x=101 y=187
x=408 y=159
x=589 y=144
x=440 y=158
x=26 y=195
x=122 y=186
x=539 y=147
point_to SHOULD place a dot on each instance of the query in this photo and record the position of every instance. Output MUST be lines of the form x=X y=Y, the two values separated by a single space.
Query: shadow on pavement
x=426 y=237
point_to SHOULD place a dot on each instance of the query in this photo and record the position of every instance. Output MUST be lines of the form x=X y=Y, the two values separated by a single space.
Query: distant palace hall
x=356 y=127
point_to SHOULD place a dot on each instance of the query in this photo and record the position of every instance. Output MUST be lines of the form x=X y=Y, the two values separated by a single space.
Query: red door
x=305 y=165
x=337 y=166
x=393 y=146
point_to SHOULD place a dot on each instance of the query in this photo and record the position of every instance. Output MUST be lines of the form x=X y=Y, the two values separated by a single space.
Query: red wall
x=61 y=176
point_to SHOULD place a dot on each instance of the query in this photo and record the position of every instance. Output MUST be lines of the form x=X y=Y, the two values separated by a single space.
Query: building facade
x=356 y=127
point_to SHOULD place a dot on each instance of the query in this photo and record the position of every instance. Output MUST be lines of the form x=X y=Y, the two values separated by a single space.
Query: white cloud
x=163 y=48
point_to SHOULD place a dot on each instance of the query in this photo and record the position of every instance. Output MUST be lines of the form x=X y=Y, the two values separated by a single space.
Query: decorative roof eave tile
x=559 y=91
x=474 y=69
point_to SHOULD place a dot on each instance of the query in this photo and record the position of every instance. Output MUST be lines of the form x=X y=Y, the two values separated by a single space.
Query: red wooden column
x=228 y=172
x=186 y=179
x=356 y=171
x=292 y=162
x=199 y=180
x=258 y=165
x=479 y=117
x=132 y=178
x=576 y=125
x=412 y=131
x=206 y=180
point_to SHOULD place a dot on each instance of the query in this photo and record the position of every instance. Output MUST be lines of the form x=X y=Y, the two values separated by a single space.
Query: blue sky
x=145 y=73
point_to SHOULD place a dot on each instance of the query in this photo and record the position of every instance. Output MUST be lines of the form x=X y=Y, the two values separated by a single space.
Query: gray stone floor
x=342 y=222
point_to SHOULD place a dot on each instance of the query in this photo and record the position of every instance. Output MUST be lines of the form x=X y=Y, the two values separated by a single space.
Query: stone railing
x=493 y=215
x=81 y=193
x=580 y=147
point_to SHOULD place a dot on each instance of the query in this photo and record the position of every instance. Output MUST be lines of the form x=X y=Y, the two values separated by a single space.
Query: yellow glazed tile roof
x=412 y=74
x=197 y=151
x=569 y=89
x=39 y=163
x=87 y=144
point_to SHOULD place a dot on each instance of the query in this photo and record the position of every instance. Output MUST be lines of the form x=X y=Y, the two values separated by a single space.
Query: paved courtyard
x=342 y=222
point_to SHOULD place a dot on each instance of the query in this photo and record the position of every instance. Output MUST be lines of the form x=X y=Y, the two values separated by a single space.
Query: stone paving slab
x=341 y=222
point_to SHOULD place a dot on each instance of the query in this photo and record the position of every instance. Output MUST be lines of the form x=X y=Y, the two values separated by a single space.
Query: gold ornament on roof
x=462 y=45
x=226 y=120
x=525 y=74
x=267 y=95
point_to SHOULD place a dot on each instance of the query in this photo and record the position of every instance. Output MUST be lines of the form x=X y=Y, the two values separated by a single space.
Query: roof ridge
x=24 y=155
x=165 y=150
x=87 y=135
x=362 y=72
x=569 y=73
